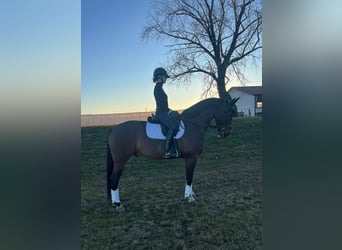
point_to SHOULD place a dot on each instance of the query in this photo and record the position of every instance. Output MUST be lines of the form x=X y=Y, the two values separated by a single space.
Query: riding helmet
x=159 y=72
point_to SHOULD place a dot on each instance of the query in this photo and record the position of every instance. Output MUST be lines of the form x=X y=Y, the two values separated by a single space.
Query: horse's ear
x=234 y=100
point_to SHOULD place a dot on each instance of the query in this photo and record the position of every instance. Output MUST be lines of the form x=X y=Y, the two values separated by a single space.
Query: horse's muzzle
x=224 y=131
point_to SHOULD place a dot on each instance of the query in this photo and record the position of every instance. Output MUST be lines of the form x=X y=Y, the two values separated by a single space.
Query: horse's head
x=223 y=117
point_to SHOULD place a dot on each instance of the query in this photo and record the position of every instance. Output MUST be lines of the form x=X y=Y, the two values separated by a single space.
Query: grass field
x=227 y=182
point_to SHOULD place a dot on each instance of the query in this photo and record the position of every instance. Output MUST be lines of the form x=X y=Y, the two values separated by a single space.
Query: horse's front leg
x=190 y=163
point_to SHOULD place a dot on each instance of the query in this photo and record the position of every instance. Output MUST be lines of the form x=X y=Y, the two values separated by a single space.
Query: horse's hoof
x=190 y=199
x=118 y=207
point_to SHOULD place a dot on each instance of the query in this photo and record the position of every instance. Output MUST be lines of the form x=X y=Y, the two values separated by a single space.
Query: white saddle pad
x=153 y=131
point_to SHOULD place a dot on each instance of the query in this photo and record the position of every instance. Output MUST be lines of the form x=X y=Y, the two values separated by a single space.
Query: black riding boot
x=168 y=143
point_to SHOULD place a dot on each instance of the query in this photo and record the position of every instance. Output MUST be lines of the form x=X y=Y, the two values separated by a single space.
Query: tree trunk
x=221 y=86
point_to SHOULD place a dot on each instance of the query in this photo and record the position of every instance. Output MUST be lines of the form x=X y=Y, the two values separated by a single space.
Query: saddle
x=155 y=129
x=175 y=117
x=154 y=120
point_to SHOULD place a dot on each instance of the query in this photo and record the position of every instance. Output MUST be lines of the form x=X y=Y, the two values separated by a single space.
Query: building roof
x=252 y=90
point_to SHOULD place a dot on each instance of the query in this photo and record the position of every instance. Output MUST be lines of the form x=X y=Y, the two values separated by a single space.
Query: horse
x=129 y=138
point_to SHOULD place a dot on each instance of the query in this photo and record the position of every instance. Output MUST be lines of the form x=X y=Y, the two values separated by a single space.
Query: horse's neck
x=202 y=113
x=202 y=119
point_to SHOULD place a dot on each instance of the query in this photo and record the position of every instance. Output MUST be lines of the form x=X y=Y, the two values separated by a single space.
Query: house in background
x=250 y=102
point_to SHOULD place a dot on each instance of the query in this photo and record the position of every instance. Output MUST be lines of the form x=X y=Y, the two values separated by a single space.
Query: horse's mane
x=197 y=108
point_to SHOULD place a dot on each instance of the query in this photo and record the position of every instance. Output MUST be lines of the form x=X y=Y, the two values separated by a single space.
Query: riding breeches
x=166 y=119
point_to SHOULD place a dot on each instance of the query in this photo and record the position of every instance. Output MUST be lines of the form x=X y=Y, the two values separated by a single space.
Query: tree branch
x=207 y=36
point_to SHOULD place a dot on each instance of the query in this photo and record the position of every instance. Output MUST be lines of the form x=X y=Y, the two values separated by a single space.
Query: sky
x=40 y=51
x=117 y=65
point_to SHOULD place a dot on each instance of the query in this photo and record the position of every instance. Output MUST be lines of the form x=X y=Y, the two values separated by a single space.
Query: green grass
x=227 y=182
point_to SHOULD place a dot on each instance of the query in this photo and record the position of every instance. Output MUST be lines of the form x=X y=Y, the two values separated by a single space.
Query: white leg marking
x=188 y=191
x=115 y=196
x=189 y=195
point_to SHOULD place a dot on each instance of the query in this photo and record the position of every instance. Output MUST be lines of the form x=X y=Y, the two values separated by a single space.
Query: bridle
x=224 y=126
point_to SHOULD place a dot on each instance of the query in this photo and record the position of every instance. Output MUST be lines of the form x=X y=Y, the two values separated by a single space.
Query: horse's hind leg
x=190 y=163
x=114 y=184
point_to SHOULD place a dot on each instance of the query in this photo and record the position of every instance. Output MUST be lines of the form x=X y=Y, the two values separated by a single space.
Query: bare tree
x=212 y=37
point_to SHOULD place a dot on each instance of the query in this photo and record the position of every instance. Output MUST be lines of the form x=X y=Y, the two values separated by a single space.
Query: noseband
x=221 y=130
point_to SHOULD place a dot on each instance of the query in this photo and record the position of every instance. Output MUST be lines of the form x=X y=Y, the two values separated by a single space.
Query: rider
x=162 y=111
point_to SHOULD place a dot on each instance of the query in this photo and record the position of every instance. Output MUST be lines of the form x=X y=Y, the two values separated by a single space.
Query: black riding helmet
x=159 y=72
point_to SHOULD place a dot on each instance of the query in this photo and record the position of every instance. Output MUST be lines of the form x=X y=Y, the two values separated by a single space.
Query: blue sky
x=117 y=65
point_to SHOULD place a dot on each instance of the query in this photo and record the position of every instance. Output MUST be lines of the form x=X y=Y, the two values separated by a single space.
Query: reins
x=187 y=120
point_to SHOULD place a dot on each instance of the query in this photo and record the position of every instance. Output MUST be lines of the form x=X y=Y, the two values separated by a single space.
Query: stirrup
x=168 y=155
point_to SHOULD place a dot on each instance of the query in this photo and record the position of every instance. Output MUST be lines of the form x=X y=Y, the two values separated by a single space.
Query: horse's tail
x=110 y=167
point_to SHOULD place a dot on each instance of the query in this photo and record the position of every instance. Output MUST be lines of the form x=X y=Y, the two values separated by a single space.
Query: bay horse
x=129 y=138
